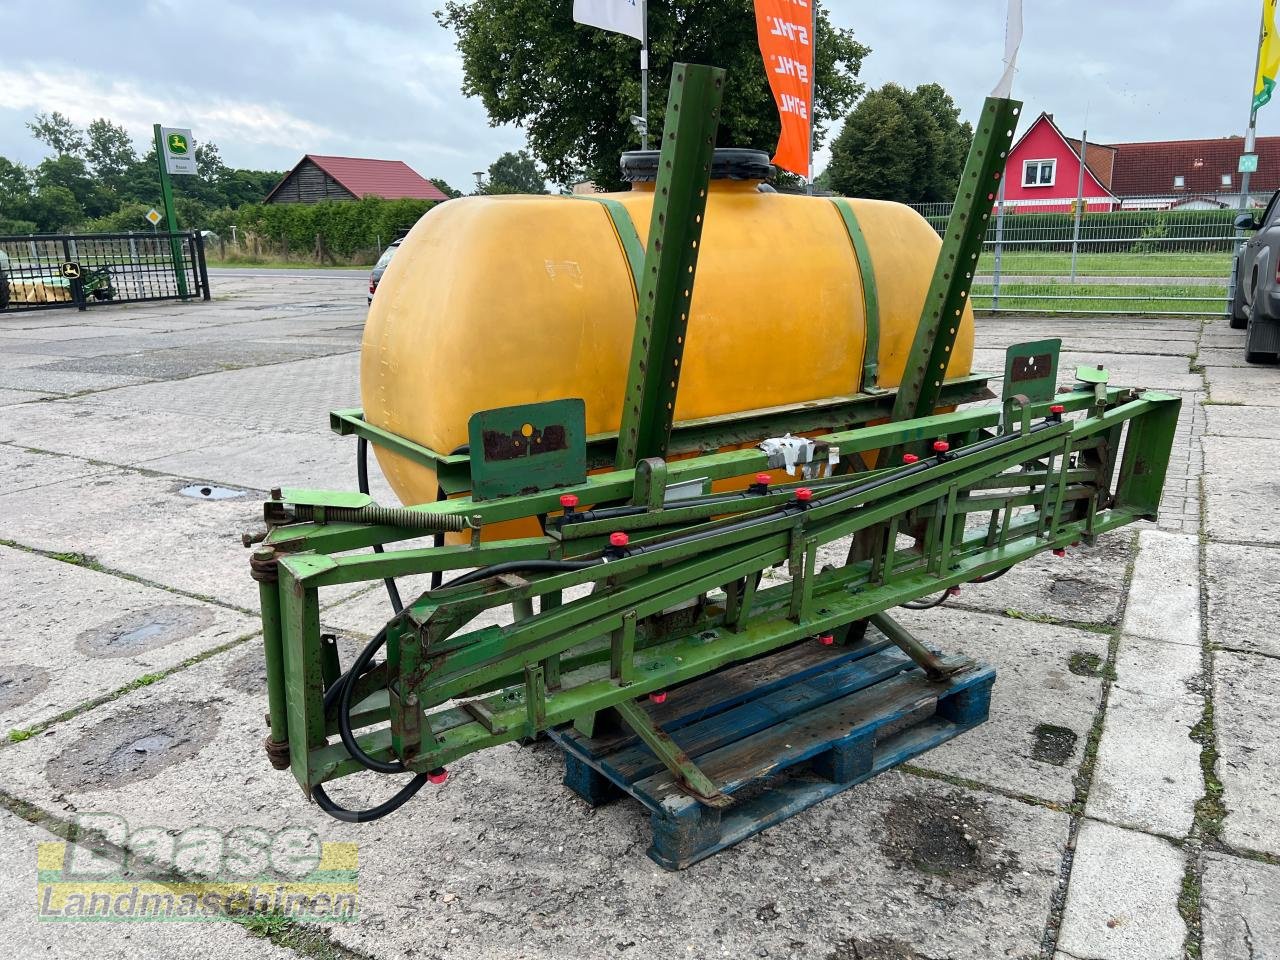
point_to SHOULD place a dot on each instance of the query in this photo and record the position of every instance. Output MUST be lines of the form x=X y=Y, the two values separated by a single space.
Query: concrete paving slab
x=20 y=928
x=1242 y=488
x=1085 y=587
x=1246 y=705
x=61 y=381
x=1244 y=588
x=1222 y=357
x=11 y=397
x=100 y=633
x=1239 y=909
x=57 y=328
x=1153 y=668
x=111 y=434
x=504 y=861
x=171 y=363
x=1252 y=384
x=1147 y=775
x=1164 y=591
x=24 y=470
x=1122 y=901
x=1254 y=422
x=1041 y=709
x=1130 y=368
x=141 y=525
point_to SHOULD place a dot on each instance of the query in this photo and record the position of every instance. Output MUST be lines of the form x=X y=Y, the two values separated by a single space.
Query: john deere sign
x=179 y=157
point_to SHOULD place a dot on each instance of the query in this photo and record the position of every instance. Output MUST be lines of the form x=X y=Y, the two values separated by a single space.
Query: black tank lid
x=728 y=163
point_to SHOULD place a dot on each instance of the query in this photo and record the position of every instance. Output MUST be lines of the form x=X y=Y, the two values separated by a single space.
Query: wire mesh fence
x=81 y=270
x=1137 y=259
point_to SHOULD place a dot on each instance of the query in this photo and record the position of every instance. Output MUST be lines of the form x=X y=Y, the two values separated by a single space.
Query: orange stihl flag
x=785 y=30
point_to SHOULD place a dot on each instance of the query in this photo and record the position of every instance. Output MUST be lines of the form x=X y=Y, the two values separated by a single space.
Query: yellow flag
x=1268 y=57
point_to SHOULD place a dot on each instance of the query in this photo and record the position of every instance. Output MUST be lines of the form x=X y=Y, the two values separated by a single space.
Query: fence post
x=1075 y=232
x=999 y=248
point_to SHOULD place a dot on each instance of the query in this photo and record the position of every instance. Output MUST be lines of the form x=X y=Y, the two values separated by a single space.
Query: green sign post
x=175 y=143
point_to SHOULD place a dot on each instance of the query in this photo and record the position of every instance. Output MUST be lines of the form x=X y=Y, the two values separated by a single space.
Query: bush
x=344 y=226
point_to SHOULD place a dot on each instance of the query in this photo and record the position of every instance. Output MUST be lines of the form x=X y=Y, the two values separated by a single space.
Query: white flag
x=620 y=16
x=1012 y=40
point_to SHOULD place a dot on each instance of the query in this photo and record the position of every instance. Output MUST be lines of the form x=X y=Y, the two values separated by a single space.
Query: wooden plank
x=778 y=706
x=803 y=737
x=736 y=684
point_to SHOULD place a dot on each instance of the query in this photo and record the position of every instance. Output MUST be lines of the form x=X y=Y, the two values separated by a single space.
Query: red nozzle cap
x=827 y=639
x=804 y=494
x=1059 y=552
x=1057 y=408
x=762 y=478
x=568 y=500
x=909 y=458
x=658 y=696
x=941 y=446
x=438 y=776
x=953 y=591
x=618 y=539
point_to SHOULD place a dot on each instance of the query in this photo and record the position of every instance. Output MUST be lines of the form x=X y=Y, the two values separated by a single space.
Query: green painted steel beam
x=670 y=266
x=948 y=294
x=870 y=292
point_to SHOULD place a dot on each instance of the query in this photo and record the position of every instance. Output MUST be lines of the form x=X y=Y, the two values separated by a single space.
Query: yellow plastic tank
x=503 y=300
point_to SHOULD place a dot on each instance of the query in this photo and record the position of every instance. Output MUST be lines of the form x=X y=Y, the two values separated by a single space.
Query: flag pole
x=644 y=75
x=1251 y=132
x=813 y=87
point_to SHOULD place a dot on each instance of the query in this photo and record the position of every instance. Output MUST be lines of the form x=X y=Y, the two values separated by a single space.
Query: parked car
x=380 y=267
x=1257 y=301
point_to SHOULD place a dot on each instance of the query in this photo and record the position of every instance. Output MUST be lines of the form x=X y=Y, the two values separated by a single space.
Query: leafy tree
x=58 y=132
x=54 y=208
x=109 y=152
x=574 y=87
x=515 y=173
x=899 y=144
x=444 y=188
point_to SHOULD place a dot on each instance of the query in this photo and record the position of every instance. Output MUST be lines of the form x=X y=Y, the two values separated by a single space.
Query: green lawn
x=1036 y=264
x=1062 y=297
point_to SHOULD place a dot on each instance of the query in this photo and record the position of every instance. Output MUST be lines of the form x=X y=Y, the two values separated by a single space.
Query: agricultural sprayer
x=668 y=494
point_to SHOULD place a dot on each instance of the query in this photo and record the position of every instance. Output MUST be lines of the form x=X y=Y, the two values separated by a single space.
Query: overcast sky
x=270 y=80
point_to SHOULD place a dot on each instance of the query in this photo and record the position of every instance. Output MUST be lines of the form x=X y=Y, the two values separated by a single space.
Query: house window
x=1179 y=182
x=1226 y=179
x=1038 y=173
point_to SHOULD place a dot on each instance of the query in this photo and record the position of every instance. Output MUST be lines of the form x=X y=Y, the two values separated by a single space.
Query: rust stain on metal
x=511 y=446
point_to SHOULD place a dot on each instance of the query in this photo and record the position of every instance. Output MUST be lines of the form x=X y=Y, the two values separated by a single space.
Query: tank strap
x=870 y=296
x=626 y=233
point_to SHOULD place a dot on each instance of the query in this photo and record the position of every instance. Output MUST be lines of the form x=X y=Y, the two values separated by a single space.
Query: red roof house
x=1043 y=171
x=1044 y=166
x=317 y=178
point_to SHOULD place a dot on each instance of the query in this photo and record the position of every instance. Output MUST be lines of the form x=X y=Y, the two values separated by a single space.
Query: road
x=360 y=275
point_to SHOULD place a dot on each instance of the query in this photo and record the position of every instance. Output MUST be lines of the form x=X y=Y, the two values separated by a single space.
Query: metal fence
x=1139 y=257
x=81 y=270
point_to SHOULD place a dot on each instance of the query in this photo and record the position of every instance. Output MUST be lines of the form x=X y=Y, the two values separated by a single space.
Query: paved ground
x=1123 y=801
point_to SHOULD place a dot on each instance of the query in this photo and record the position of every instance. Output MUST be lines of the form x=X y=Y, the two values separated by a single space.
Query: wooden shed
x=316 y=178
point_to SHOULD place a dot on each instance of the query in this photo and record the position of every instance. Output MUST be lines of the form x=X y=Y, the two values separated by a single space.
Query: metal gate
x=81 y=270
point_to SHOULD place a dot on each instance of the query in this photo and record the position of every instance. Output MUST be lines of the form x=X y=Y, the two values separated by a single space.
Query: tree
x=444 y=188
x=574 y=88
x=899 y=144
x=109 y=152
x=58 y=132
x=515 y=173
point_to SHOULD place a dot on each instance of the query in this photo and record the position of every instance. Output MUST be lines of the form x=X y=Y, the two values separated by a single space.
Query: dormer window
x=1179 y=182
x=1039 y=173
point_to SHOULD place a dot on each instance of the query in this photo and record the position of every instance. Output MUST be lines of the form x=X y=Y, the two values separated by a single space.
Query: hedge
x=344 y=226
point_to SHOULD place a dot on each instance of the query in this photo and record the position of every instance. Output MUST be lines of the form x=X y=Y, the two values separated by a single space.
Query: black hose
x=929 y=605
x=395 y=802
x=530 y=566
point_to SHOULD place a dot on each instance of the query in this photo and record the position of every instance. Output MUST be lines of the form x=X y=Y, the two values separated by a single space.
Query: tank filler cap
x=727 y=163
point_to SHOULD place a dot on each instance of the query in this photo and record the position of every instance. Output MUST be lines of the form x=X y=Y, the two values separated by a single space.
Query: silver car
x=380 y=268
x=1257 y=301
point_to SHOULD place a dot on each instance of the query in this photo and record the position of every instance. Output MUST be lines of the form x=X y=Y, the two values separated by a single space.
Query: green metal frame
x=683 y=593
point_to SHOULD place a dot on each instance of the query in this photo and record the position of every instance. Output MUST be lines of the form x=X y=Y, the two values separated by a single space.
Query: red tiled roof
x=389 y=179
x=1149 y=168
x=1099 y=158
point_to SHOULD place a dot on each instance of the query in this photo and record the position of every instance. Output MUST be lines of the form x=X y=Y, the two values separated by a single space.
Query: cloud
x=83 y=96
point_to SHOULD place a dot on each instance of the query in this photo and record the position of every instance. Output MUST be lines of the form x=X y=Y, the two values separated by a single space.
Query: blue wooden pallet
x=779 y=734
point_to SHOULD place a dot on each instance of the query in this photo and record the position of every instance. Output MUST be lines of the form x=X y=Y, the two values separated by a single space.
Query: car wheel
x=1239 y=312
